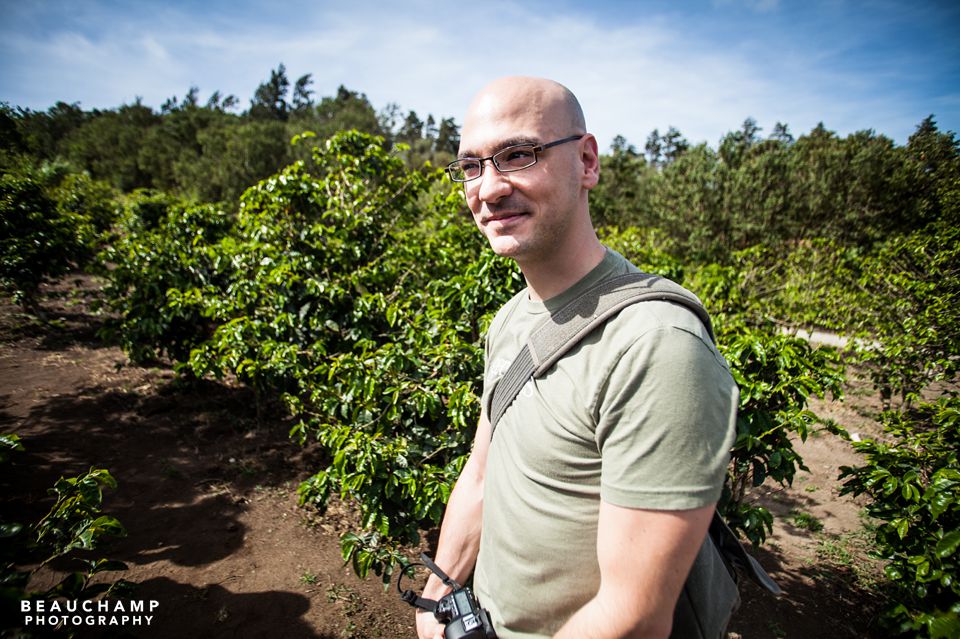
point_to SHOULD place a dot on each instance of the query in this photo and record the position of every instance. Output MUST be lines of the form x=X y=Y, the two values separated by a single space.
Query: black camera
x=459 y=610
x=463 y=616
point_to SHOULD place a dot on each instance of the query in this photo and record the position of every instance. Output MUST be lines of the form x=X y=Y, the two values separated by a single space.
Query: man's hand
x=427 y=626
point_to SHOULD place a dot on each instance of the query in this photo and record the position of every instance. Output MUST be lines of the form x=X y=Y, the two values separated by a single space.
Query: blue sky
x=701 y=67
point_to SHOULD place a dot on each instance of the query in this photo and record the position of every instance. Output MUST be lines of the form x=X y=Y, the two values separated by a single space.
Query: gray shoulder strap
x=561 y=331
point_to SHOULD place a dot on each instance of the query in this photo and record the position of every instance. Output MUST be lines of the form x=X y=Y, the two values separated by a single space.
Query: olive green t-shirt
x=641 y=413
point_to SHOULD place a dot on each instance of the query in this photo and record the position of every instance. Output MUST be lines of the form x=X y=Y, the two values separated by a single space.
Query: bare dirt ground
x=208 y=497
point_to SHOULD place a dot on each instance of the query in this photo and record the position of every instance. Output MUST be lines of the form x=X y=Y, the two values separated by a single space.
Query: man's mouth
x=504 y=217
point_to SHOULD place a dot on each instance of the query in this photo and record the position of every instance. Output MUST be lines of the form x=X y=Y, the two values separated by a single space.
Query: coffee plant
x=75 y=522
x=164 y=246
x=776 y=374
x=38 y=241
x=910 y=332
x=912 y=480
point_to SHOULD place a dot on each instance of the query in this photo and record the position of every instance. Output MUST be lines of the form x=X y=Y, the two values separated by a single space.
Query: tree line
x=206 y=151
x=708 y=202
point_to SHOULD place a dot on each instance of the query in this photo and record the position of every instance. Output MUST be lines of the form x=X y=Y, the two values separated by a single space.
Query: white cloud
x=650 y=71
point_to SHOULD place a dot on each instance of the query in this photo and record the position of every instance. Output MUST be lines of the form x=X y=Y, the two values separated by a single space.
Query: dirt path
x=208 y=498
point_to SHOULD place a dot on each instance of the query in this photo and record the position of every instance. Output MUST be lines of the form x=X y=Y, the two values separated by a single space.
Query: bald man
x=582 y=517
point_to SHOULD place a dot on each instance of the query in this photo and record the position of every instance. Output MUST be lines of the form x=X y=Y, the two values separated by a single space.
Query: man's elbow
x=651 y=629
x=632 y=621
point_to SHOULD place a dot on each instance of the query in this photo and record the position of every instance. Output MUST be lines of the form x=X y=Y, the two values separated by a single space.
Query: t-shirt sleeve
x=666 y=422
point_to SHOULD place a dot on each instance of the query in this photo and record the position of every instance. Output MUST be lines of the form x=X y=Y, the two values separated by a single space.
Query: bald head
x=519 y=98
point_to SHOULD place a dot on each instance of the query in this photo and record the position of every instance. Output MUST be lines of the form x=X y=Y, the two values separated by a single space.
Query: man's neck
x=551 y=277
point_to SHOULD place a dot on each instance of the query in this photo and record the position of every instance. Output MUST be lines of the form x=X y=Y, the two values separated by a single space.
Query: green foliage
x=778 y=192
x=94 y=201
x=897 y=303
x=107 y=145
x=307 y=249
x=39 y=241
x=9 y=443
x=164 y=246
x=75 y=522
x=408 y=409
x=790 y=288
x=646 y=249
x=912 y=479
x=776 y=374
x=910 y=331
x=622 y=198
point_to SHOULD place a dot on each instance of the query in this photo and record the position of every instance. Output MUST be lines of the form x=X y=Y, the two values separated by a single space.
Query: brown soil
x=207 y=493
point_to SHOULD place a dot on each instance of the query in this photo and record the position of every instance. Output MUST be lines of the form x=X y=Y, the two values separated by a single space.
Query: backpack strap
x=561 y=331
x=557 y=334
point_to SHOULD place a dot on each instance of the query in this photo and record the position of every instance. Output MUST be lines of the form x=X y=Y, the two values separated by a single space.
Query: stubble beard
x=537 y=243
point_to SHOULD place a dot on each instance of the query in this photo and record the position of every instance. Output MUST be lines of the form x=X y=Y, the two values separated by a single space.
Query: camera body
x=463 y=616
x=458 y=610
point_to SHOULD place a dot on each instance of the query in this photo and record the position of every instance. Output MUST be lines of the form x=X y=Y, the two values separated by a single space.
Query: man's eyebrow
x=520 y=139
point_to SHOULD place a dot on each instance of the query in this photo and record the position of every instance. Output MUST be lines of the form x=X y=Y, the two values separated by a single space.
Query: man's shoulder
x=641 y=319
x=504 y=312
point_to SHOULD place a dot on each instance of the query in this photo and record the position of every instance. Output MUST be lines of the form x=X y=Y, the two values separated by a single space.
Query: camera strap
x=425 y=603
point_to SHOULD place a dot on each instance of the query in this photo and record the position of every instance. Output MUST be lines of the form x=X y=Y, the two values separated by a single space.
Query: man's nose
x=494 y=185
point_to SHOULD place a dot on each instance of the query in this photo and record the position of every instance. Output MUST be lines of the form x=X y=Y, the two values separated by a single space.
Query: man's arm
x=645 y=556
x=459 y=540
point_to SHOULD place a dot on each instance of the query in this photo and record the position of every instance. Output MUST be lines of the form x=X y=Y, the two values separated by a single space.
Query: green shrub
x=163 y=247
x=39 y=241
x=910 y=332
x=776 y=374
x=912 y=479
x=74 y=523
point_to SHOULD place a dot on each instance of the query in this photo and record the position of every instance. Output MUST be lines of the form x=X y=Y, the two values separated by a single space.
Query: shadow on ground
x=812 y=599
x=214 y=612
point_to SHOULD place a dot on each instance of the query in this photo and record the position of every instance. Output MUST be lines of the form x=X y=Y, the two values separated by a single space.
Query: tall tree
x=735 y=145
x=781 y=133
x=448 y=137
x=302 y=101
x=662 y=150
x=270 y=99
x=346 y=110
x=412 y=129
x=108 y=145
x=933 y=167
x=622 y=198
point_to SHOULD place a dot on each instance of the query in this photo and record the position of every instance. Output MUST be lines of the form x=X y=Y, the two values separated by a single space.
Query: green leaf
x=948 y=544
x=902 y=527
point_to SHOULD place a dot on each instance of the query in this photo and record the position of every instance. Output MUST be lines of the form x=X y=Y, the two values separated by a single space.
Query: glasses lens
x=463 y=170
x=514 y=158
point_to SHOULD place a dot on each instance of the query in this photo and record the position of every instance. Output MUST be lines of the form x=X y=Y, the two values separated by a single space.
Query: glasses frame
x=536 y=148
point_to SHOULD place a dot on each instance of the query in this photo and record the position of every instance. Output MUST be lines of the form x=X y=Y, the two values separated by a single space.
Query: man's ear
x=590 y=159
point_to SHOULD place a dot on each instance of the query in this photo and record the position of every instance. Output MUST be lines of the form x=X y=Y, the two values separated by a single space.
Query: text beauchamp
x=72 y=605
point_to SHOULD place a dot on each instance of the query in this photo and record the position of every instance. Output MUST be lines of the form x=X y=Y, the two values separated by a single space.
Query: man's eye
x=470 y=166
x=517 y=157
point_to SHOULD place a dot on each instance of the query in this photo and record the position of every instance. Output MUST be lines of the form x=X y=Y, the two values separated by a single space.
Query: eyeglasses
x=512 y=158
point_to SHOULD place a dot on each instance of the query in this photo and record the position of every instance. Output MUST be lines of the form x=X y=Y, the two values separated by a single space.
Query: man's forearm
x=459 y=540
x=598 y=619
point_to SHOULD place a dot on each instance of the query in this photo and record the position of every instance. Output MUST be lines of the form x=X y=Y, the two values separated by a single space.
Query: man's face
x=524 y=214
